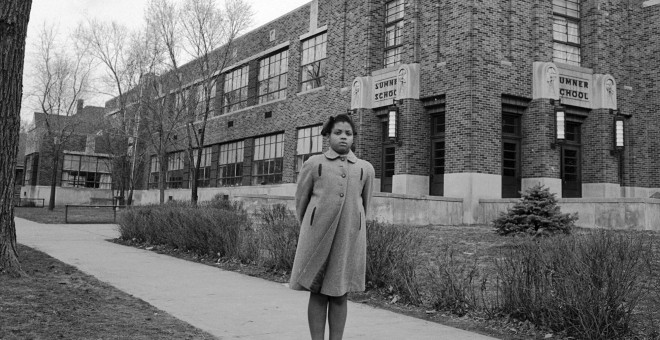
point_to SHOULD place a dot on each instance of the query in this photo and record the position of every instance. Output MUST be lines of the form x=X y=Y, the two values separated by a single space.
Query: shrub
x=457 y=286
x=278 y=236
x=391 y=259
x=537 y=213
x=587 y=285
x=208 y=228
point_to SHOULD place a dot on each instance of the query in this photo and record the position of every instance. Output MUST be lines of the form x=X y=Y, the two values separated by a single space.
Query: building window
x=313 y=62
x=236 y=90
x=204 y=172
x=393 y=33
x=435 y=107
x=180 y=101
x=268 y=159
x=272 y=76
x=513 y=110
x=200 y=100
x=310 y=142
x=230 y=164
x=566 y=31
x=31 y=169
x=86 y=172
x=175 y=170
x=154 y=172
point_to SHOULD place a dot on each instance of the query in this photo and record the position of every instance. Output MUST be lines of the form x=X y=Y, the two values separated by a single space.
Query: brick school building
x=459 y=105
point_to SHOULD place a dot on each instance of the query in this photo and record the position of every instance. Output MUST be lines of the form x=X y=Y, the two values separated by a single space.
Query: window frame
x=154 y=164
x=79 y=177
x=396 y=24
x=228 y=103
x=204 y=173
x=318 y=65
x=265 y=158
x=266 y=75
x=561 y=13
x=314 y=148
x=175 y=166
x=225 y=150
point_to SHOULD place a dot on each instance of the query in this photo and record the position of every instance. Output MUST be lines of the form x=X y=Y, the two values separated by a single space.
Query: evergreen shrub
x=537 y=214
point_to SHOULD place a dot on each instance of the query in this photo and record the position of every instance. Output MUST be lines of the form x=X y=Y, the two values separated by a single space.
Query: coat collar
x=332 y=154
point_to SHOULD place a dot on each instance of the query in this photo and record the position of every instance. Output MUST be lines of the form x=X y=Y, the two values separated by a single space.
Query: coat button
x=343 y=158
x=343 y=175
x=341 y=195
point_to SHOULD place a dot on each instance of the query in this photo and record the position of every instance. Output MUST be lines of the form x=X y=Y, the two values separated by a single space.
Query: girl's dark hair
x=327 y=127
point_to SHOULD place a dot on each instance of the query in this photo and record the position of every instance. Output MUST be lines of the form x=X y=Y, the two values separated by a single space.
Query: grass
x=56 y=301
x=75 y=215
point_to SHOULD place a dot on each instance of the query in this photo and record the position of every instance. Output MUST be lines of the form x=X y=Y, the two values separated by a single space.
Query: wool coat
x=332 y=201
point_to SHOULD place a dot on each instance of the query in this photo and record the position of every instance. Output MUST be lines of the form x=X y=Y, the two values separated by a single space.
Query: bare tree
x=61 y=78
x=14 y=16
x=208 y=33
x=129 y=59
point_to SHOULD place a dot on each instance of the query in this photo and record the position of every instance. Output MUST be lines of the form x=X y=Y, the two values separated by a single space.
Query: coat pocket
x=311 y=220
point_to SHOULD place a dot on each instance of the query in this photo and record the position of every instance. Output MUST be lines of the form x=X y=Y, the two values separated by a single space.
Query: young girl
x=332 y=199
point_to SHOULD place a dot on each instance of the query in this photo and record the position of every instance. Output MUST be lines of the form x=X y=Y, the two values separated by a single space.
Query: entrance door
x=571 y=170
x=388 y=168
x=437 y=167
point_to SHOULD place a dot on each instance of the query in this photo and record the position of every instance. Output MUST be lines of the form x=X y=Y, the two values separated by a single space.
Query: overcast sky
x=66 y=14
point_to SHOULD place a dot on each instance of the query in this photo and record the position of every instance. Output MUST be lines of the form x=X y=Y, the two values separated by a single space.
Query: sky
x=66 y=14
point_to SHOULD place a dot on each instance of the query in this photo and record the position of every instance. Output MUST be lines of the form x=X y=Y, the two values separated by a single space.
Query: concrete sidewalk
x=226 y=304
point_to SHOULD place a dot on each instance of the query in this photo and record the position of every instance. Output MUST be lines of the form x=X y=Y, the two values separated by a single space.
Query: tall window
x=86 y=172
x=268 y=159
x=230 y=164
x=310 y=142
x=313 y=62
x=513 y=111
x=437 y=112
x=154 y=172
x=204 y=173
x=393 y=32
x=175 y=170
x=272 y=76
x=236 y=89
x=566 y=31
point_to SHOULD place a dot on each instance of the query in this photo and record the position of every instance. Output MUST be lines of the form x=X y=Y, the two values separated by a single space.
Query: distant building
x=83 y=173
x=484 y=99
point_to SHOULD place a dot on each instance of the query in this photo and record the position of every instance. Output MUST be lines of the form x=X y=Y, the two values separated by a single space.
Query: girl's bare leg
x=337 y=311
x=317 y=311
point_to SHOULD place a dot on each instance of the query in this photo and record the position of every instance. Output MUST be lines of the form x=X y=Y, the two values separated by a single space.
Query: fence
x=79 y=213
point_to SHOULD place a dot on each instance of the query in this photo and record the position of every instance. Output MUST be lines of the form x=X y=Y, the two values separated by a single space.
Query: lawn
x=56 y=301
x=74 y=214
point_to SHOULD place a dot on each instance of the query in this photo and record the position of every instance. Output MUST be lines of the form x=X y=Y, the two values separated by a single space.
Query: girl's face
x=341 y=138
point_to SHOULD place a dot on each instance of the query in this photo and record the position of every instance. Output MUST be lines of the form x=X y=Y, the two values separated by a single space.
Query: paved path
x=226 y=304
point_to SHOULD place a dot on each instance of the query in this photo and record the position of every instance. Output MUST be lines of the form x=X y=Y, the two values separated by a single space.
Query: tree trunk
x=14 y=16
x=53 y=179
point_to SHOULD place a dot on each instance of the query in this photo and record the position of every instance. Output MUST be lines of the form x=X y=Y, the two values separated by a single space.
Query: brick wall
x=472 y=53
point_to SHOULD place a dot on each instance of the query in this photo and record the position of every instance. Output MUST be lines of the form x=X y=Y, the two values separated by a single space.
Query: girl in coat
x=332 y=200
